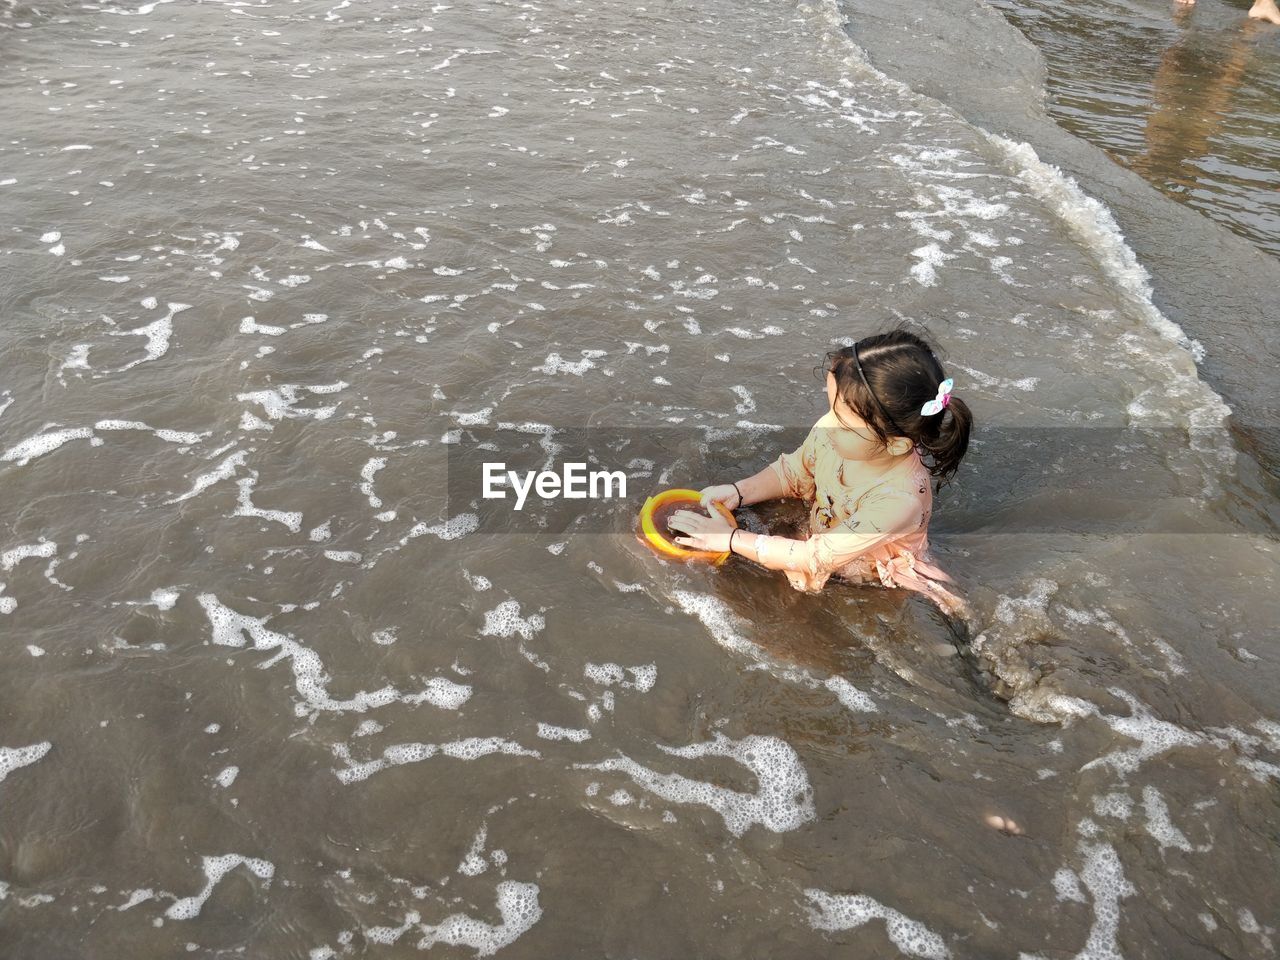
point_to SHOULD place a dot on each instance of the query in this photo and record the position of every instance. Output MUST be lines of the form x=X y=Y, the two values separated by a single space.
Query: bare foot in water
x=1006 y=825
x=1265 y=10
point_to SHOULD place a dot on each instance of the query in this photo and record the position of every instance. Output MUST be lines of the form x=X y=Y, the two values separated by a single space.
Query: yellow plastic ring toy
x=653 y=525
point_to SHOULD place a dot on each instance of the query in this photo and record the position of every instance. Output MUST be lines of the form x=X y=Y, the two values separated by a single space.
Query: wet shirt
x=861 y=528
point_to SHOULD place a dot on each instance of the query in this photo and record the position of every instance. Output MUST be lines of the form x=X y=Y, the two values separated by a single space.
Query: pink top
x=862 y=528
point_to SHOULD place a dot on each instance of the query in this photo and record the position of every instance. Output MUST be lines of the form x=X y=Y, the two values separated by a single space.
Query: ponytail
x=948 y=448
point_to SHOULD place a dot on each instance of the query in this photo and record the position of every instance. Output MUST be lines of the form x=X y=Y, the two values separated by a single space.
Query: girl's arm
x=881 y=518
x=764 y=485
x=790 y=475
x=887 y=517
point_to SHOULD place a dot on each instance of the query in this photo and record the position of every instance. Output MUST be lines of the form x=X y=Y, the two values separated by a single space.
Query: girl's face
x=853 y=439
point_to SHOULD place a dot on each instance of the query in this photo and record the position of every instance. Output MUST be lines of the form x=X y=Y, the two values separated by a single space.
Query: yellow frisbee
x=657 y=510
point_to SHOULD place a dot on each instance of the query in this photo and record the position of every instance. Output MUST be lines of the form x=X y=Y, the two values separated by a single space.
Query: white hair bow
x=943 y=398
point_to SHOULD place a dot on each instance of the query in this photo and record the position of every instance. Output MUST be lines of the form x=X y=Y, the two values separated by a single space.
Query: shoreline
x=998 y=82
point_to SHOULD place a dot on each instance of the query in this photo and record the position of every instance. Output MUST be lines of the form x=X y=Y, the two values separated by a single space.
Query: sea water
x=270 y=691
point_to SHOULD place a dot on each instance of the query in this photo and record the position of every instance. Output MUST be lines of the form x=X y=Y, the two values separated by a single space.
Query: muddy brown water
x=269 y=691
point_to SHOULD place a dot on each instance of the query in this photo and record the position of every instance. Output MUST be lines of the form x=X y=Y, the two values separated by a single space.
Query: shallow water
x=1183 y=95
x=274 y=687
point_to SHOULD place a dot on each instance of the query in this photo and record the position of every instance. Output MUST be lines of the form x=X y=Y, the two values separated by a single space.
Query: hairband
x=879 y=405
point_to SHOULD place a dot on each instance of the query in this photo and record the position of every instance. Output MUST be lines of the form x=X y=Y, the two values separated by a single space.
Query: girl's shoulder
x=911 y=479
x=823 y=426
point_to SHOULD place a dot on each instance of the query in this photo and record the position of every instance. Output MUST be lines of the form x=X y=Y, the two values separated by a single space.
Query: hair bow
x=943 y=398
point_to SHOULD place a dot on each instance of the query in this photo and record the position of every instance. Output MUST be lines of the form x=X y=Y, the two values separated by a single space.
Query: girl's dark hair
x=902 y=373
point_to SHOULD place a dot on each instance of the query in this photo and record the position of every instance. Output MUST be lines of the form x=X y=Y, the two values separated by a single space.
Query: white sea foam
x=78 y=359
x=44 y=549
x=998 y=384
x=215 y=868
x=342 y=556
x=1098 y=232
x=719 y=620
x=548 y=731
x=451 y=529
x=478 y=583
x=13 y=758
x=398 y=754
x=292 y=519
x=157 y=334
x=504 y=620
x=1117 y=805
x=596 y=710
x=281 y=402
x=1154 y=736
x=1160 y=826
x=30 y=449
x=164 y=598
x=310 y=679
x=607 y=674
x=557 y=364
x=517 y=906
x=1249 y=924
x=849 y=695
x=475 y=862
x=829 y=911
x=519 y=909
x=1260 y=770
x=928 y=259
x=783 y=799
x=169 y=436
x=137 y=897
x=38 y=446
x=223 y=471
x=476 y=418
x=367 y=473
x=250 y=325
x=1104 y=878
x=1067 y=885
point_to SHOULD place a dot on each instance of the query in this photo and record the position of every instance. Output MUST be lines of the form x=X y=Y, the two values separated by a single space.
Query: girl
x=862 y=469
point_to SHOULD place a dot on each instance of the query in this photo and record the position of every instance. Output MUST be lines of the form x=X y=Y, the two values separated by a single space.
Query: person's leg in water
x=1265 y=10
x=1006 y=825
x=1261 y=10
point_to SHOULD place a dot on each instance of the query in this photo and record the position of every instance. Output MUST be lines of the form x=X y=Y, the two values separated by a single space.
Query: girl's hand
x=703 y=533
x=720 y=493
